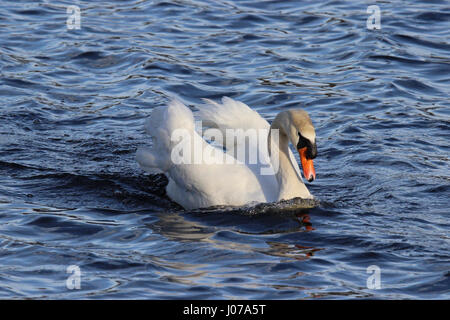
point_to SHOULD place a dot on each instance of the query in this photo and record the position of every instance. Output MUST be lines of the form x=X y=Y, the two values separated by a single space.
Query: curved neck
x=289 y=182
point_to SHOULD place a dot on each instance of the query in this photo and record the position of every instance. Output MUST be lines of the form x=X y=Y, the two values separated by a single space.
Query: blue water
x=72 y=108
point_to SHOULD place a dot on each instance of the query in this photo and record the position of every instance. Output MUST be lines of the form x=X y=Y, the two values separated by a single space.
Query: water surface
x=72 y=108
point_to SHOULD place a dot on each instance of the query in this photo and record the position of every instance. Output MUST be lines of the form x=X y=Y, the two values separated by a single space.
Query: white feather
x=203 y=184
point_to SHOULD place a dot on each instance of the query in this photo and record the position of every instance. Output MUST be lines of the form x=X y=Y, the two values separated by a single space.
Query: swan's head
x=301 y=133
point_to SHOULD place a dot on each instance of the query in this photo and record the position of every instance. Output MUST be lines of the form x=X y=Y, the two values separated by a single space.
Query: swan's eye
x=302 y=142
x=311 y=148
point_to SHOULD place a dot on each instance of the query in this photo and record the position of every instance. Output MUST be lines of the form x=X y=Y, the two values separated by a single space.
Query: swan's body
x=218 y=178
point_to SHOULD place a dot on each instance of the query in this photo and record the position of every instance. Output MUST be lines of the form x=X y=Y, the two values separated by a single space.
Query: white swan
x=217 y=177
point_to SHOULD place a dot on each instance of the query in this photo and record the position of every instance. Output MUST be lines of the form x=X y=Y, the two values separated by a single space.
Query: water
x=73 y=104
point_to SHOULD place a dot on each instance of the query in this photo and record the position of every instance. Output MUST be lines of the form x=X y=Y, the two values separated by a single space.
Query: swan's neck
x=289 y=182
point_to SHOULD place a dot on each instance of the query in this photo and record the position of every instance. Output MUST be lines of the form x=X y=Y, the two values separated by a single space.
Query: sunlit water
x=72 y=108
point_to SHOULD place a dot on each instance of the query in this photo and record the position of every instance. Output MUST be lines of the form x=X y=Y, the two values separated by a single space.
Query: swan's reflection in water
x=293 y=251
x=240 y=233
x=305 y=221
x=234 y=251
x=296 y=251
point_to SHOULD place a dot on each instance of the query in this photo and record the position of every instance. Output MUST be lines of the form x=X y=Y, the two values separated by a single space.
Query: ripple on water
x=73 y=106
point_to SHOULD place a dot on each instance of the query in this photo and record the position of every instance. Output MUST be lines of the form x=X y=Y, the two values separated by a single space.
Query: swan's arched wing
x=232 y=114
x=160 y=125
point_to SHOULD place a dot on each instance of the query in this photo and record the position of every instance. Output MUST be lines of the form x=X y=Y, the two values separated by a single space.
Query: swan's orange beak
x=307 y=165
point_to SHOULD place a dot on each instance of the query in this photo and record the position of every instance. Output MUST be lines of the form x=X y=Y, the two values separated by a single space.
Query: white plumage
x=225 y=181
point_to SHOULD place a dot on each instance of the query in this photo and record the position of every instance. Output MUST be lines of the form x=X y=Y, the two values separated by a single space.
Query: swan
x=203 y=174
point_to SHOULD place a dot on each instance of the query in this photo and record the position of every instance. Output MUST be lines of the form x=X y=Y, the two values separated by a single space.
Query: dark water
x=72 y=108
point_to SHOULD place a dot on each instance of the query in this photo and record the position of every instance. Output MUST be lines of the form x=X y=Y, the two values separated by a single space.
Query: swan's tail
x=162 y=123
